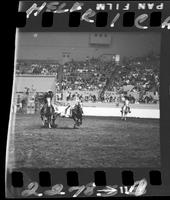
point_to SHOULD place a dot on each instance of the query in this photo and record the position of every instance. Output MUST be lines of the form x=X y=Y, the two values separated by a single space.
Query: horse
x=76 y=115
x=124 y=111
x=47 y=113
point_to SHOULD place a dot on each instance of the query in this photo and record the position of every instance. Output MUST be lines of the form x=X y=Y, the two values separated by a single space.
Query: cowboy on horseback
x=48 y=95
x=71 y=106
x=77 y=113
x=79 y=104
x=125 y=108
x=48 y=110
x=125 y=101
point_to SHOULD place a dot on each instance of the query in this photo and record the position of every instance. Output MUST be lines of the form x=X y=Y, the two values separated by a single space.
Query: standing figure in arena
x=47 y=112
x=125 y=108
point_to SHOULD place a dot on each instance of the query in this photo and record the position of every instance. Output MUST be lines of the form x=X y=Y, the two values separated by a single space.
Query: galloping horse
x=47 y=113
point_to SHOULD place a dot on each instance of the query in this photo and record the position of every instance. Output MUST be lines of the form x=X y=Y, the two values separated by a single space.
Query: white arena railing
x=115 y=112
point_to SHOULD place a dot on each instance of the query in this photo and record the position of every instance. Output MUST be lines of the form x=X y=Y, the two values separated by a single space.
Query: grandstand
x=140 y=75
x=96 y=67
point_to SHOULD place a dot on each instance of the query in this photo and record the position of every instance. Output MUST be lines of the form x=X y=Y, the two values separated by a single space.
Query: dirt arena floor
x=99 y=142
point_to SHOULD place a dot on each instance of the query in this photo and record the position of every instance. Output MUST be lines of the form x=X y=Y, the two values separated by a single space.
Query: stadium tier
x=138 y=76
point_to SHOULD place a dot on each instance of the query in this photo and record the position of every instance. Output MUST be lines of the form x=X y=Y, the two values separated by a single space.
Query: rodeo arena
x=119 y=117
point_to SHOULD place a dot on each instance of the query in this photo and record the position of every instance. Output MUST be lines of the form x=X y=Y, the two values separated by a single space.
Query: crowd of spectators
x=93 y=74
x=36 y=68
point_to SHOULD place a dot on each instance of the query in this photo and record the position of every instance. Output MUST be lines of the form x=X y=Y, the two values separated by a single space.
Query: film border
x=164 y=131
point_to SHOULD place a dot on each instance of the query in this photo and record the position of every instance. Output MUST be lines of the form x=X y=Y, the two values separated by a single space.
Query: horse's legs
x=125 y=114
x=75 y=122
x=125 y=117
x=53 y=120
x=122 y=113
x=49 y=122
x=81 y=121
x=42 y=119
x=78 y=121
x=49 y=125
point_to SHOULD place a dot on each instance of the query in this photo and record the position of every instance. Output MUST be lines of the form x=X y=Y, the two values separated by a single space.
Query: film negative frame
x=158 y=179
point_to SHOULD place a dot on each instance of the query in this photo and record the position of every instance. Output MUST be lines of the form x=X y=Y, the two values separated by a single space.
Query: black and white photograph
x=85 y=100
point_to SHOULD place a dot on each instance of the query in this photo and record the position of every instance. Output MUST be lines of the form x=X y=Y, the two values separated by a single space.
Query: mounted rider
x=125 y=101
x=71 y=106
x=47 y=112
x=48 y=94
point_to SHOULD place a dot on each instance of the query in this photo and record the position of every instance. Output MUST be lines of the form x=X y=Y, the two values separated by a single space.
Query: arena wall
x=40 y=83
x=115 y=112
